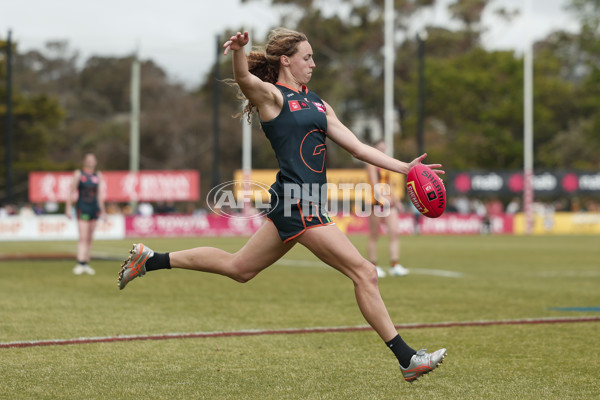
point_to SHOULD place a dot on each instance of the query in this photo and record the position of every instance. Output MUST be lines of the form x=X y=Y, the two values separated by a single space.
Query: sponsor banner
x=343 y=183
x=190 y=225
x=468 y=224
x=214 y=225
x=57 y=227
x=355 y=225
x=49 y=186
x=446 y=224
x=512 y=183
x=561 y=223
x=121 y=186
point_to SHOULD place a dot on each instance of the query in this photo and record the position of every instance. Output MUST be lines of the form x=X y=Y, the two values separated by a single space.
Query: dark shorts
x=88 y=215
x=297 y=219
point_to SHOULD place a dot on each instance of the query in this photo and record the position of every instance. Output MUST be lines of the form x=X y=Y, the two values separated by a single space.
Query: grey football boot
x=135 y=265
x=422 y=363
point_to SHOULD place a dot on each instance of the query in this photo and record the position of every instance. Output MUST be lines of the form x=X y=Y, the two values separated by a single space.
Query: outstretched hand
x=236 y=42
x=419 y=159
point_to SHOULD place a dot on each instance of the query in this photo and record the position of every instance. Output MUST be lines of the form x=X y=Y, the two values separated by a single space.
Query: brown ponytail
x=265 y=63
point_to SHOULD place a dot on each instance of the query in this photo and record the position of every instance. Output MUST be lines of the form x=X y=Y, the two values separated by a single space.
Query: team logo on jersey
x=296 y=105
x=92 y=178
x=320 y=107
x=313 y=150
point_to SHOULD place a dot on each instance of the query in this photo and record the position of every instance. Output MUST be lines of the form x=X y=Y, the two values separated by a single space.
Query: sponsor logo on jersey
x=320 y=107
x=297 y=105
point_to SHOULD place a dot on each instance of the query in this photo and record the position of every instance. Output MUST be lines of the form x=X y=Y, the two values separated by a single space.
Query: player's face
x=89 y=162
x=302 y=63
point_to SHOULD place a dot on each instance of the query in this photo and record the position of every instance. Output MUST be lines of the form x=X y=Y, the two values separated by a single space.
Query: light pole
x=8 y=134
x=388 y=78
x=216 y=99
x=421 y=38
x=528 y=128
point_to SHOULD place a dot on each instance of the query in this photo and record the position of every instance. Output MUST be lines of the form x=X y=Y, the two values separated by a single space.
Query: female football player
x=296 y=122
x=87 y=183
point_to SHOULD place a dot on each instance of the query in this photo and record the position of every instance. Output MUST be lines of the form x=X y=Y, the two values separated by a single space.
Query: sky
x=180 y=35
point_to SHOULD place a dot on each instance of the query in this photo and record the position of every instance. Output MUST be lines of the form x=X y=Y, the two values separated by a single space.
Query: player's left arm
x=344 y=137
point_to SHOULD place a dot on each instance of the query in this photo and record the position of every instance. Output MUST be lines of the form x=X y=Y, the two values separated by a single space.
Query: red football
x=426 y=191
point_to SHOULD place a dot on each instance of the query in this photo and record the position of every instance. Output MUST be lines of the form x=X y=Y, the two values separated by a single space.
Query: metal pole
x=134 y=127
x=528 y=129
x=8 y=134
x=421 y=38
x=247 y=143
x=247 y=135
x=388 y=77
x=216 y=99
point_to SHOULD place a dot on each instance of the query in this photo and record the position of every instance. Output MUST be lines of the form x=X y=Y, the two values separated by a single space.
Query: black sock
x=402 y=351
x=158 y=261
x=81 y=262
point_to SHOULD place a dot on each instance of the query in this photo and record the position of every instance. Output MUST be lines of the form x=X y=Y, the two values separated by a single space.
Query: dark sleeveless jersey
x=87 y=188
x=298 y=136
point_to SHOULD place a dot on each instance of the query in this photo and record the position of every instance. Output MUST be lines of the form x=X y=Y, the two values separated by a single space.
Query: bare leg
x=391 y=222
x=334 y=248
x=262 y=249
x=373 y=236
x=86 y=234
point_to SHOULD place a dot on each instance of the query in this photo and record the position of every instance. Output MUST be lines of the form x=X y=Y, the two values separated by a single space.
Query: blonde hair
x=265 y=63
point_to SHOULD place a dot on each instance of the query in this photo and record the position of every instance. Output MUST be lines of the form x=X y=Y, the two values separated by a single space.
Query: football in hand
x=426 y=191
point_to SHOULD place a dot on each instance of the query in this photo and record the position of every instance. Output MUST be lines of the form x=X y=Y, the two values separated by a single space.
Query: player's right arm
x=264 y=95
x=73 y=189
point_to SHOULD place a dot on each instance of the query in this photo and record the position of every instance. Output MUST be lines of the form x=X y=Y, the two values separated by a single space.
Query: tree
x=576 y=60
x=36 y=120
x=62 y=111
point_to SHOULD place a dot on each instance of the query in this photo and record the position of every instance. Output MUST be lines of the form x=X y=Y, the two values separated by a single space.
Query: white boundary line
x=436 y=272
x=416 y=271
x=286 y=331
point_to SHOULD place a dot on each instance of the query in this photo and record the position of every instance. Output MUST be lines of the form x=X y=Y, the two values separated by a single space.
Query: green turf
x=503 y=277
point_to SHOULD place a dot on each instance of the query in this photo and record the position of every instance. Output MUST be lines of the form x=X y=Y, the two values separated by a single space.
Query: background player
x=87 y=183
x=380 y=215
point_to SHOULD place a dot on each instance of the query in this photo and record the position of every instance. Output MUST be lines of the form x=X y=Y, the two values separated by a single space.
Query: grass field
x=486 y=278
